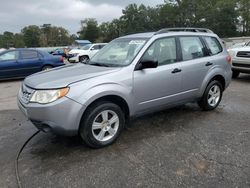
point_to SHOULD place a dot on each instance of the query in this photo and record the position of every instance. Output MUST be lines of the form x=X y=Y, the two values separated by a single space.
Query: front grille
x=245 y=54
x=241 y=65
x=26 y=93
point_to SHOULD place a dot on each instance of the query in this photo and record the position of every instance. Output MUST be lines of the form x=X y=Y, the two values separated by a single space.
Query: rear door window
x=191 y=47
x=213 y=45
x=29 y=54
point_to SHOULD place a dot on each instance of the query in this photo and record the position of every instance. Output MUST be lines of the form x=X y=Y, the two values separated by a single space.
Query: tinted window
x=213 y=45
x=96 y=47
x=101 y=46
x=163 y=50
x=192 y=48
x=29 y=54
x=13 y=55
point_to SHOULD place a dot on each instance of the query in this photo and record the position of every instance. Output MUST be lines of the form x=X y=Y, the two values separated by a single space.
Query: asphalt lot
x=180 y=147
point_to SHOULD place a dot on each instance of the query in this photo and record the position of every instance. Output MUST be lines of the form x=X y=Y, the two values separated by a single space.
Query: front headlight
x=48 y=96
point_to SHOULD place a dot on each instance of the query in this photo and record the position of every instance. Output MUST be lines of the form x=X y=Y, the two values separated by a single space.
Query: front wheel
x=102 y=124
x=212 y=96
x=83 y=59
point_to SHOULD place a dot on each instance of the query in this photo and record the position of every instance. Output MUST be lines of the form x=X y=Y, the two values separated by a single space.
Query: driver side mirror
x=146 y=64
x=92 y=49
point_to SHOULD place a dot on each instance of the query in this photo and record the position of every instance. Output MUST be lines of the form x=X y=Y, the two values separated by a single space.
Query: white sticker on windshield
x=138 y=42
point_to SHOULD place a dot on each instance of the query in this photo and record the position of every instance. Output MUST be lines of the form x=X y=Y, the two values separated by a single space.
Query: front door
x=159 y=86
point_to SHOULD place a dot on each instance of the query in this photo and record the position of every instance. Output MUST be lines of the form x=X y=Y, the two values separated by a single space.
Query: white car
x=2 y=49
x=240 y=60
x=85 y=52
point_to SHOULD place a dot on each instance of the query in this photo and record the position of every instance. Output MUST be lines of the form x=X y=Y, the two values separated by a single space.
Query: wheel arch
x=217 y=75
x=116 y=99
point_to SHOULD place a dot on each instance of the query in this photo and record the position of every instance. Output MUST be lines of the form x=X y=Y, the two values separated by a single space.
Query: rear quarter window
x=213 y=45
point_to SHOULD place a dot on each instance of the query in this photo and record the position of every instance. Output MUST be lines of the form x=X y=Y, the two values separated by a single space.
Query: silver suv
x=131 y=76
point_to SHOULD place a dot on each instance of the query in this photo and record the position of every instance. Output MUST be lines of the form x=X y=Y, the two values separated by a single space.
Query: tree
x=243 y=7
x=31 y=36
x=89 y=30
x=18 y=41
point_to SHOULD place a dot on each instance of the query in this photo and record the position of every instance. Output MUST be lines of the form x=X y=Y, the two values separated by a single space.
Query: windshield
x=86 y=47
x=119 y=52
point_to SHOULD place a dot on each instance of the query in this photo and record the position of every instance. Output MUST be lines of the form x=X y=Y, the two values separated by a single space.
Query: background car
x=60 y=51
x=23 y=62
x=240 y=60
x=85 y=52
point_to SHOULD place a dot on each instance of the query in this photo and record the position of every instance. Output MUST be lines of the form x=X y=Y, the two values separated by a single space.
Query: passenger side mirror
x=147 y=64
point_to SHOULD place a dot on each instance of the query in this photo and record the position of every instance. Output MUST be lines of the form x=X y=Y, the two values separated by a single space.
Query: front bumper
x=241 y=65
x=61 y=117
x=74 y=59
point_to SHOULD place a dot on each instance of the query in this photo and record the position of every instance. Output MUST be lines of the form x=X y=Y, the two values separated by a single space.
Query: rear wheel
x=235 y=73
x=47 y=67
x=212 y=96
x=102 y=124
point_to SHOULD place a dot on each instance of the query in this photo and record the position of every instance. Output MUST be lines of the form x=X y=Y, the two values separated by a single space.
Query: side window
x=29 y=54
x=101 y=46
x=192 y=48
x=95 y=47
x=163 y=50
x=8 y=56
x=213 y=45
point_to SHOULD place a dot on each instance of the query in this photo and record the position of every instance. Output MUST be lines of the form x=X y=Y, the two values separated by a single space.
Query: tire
x=235 y=74
x=104 y=132
x=47 y=67
x=208 y=101
x=83 y=59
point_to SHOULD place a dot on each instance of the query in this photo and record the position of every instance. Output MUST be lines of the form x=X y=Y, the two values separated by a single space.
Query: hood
x=77 y=51
x=65 y=75
x=244 y=48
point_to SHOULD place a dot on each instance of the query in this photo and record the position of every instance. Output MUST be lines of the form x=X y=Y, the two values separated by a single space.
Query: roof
x=83 y=41
x=140 y=35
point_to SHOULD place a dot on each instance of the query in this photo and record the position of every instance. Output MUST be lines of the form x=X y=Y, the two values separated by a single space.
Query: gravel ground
x=179 y=147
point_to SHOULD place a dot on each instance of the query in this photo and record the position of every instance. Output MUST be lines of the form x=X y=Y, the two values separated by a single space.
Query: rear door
x=30 y=61
x=8 y=64
x=195 y=64
x=93 y=50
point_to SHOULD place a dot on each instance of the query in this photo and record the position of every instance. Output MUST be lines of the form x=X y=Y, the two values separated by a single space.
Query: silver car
x=131 y=76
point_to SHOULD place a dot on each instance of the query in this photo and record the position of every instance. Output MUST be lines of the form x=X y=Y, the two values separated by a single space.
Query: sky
x=16 y=14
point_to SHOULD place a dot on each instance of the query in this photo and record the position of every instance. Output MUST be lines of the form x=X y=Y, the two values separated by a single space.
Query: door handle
x=209 y=64
x=176 y=70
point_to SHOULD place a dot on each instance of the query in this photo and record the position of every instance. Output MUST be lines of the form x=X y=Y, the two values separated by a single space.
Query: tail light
x=229 y=59
x=61 y=59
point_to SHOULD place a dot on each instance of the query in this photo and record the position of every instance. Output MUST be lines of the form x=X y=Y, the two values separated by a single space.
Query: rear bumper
x=61 y=117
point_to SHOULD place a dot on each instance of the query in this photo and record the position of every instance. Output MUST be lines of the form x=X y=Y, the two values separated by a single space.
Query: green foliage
x=89 y=29
x=31 y=35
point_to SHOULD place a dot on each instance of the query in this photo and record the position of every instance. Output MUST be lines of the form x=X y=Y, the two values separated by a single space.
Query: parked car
x=84 y=53
x=20 y=63
x=240 y=60
x=131 y=76
x=2 y=49
x=60 y=51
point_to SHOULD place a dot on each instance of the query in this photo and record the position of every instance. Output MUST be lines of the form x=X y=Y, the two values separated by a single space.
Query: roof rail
x=184 y=29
